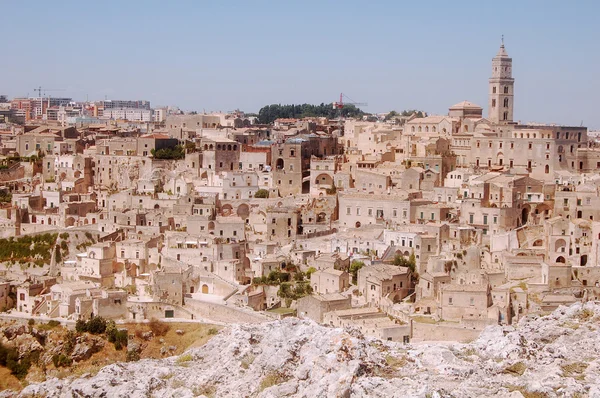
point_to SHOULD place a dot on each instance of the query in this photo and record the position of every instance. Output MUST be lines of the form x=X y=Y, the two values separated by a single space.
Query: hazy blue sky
x=224 y=55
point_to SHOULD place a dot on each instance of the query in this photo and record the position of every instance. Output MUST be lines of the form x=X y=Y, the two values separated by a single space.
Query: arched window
x=505 y=89
x=494 y=90
x=229 y=147
x=493 y=103
x=433 y=129
x=412 y=129
x=547 y=169
x=506 y=102
x=219 y=147
x=427 y=129
x=419 y=129
x=505 y=116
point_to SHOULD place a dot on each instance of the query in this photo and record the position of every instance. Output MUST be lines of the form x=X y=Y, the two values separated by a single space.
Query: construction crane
x=340 y=106
x=40 y=90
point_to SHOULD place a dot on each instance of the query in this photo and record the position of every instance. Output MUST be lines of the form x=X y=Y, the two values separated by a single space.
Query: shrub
x=132 y=356
x=213 y=331
x=96 y=325
x=61 y=360
x=70 y=341
x=64 y=235
x=158 y=328
x=31 y=322
x=81 y=326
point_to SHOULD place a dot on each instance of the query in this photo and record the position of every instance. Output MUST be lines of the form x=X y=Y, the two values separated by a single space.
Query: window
x=471 y=216
x=471 y=301
x=449 y=300
x=485 y=219
x=506 y=102
x=530 y=145
x=347 y=211
x=506 y=91
x=494 y=90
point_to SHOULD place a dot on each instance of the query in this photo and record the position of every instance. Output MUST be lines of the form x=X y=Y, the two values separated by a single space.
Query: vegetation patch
x=525 y=392
x=35 y=249
x=396 y=362
x=247 y=360
x=575 y=370
x=158 y=328
x=271 y=379
x=184 y=358
x=209 y=391
x=516 y=369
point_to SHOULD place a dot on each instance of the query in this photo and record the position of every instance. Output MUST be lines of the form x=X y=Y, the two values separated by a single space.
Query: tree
x=354 y=267
x=268 y=114
x=261 y=194
x=409 y=263
x=176 y=152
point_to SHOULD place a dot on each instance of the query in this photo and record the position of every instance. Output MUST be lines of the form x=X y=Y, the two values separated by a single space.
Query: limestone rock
x=86 y=346
x=551 y=356
x=12 y=331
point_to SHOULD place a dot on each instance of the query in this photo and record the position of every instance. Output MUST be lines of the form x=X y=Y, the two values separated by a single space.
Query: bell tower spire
x=501 y=88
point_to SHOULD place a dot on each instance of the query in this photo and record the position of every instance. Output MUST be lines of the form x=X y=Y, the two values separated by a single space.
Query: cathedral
x=500 y=143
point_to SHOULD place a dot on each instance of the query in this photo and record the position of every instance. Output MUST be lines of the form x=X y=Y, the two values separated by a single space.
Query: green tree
x=354 y=267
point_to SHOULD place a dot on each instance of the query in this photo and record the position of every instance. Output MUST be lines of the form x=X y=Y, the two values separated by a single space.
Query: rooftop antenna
x=502 y=40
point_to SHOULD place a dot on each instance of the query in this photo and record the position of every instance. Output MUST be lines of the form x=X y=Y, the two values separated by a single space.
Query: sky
x=226 y=55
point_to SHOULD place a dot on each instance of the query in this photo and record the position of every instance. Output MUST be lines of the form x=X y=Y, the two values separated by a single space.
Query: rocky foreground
x=550 y=356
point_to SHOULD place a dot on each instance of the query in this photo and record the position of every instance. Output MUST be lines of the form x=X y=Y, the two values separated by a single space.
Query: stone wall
x=222 y=313
x=436 y=332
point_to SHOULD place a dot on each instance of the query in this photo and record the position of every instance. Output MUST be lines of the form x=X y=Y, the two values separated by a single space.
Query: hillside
x=549 y=356
x=41 y=351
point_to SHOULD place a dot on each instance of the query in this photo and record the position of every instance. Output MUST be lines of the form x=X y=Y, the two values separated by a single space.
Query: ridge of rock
x=554 y=355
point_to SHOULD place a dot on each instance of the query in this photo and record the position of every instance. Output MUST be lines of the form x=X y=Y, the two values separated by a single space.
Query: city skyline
x=249 y=55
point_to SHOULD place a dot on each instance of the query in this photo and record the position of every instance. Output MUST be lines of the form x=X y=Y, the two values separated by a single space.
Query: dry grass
x=247 y=360
x=195 y=335
x=575 y=370
x=272 y=379
x=516 y=369
x=585 y=314
x=395 y=362
x=8 y=381
x=525 y=392
x=209 y=391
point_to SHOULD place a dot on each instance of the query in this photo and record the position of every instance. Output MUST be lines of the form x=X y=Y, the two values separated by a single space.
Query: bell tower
x=501 y=95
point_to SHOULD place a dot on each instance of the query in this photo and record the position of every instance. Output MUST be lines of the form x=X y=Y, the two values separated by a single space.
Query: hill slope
x=550 y=356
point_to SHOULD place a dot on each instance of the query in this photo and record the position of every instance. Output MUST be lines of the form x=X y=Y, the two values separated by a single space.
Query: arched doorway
x=205 y=289
x=279 y=165
x=524 y=215
x=560 y=246
x=583 y=260
x=538 y=243
x=561 y=260
x=357 y=225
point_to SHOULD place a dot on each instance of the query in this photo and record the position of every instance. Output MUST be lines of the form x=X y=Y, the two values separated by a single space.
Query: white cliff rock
x=555 y=356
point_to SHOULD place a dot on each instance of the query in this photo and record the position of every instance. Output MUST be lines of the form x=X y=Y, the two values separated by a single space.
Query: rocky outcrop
x=86 y=347
x=551 y=356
